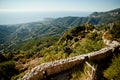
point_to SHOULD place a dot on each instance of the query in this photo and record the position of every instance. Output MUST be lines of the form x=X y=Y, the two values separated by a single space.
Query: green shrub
x=76 y=30
x=67 y=50
x=76 y=39
x=2 y=57
x=9 y=56
x=113 y=72
x=7 y=69
x=115 y=31
x=76 y=72
x=87 y=46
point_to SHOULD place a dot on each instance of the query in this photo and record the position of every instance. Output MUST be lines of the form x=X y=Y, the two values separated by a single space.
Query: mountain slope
x=76 y=41
x=5 y=32
x=52 y=27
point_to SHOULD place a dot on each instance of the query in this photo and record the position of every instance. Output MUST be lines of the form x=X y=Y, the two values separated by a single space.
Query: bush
x=77 y=30
x=2 y=58
x=29 y=55
x=67 y=50
x=115 y=31
x=9 y=56
x=76 y=39
x=113 y=72
x=7 y=70
x=76 y=72
x=69 y=37
x=87 y=46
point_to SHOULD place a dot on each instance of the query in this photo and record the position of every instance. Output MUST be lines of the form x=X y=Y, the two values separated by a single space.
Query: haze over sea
x=25 y=17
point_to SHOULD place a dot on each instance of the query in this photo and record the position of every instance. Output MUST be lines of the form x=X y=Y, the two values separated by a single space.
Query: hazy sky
x=58 y=5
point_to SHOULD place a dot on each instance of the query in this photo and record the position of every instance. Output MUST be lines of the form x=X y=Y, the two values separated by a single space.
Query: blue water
x=17 y=17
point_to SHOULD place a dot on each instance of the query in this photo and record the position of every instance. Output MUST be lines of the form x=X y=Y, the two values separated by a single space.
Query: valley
x=25 y=47
x=13 y=34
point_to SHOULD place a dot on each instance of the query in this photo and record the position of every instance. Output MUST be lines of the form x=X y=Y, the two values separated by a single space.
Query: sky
x=23 y=11
x=57 y=5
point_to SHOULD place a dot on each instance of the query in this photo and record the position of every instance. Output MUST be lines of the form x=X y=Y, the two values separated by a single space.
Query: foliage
x=88 y=46
x=113 y=72
x=115 y=29
x=51 y=27
x=35 y=45
x=78 y=40
x=2 y=57
x=76 y=72
x=7 y=69
x=73 y=43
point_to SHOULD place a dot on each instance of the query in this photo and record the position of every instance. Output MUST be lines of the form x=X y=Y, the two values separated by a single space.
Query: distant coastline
x=25 y=17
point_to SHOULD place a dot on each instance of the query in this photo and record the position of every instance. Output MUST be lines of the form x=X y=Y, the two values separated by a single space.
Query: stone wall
x=50 y=68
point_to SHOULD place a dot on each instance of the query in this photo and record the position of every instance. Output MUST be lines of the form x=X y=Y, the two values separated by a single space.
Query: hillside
x=95 y=18
x=13 y=34
x=76 y=41
x=5 y=32
x=24 y=46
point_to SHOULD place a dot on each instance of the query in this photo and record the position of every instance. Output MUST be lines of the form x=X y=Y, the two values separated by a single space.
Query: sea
x=7 y=18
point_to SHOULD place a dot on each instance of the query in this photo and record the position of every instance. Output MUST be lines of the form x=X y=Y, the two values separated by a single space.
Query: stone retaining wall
x=50 y=68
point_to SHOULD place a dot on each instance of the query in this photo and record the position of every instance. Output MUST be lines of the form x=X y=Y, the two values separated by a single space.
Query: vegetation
x=13 y=34
x=7 y=70
x=113 y=72
x=76 y=41
x=35 y=43
x=76 y=72
x=115 y=30
x=73 y=42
